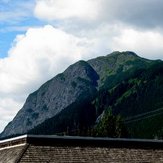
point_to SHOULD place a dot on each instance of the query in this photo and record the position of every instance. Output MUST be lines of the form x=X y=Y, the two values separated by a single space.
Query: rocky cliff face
x=53 y=97
x=64 y=89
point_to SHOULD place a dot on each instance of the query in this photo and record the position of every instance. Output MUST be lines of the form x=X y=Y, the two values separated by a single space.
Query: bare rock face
x=52 y=97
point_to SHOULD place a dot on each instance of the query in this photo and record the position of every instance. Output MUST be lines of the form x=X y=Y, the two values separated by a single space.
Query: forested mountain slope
x=105 y=96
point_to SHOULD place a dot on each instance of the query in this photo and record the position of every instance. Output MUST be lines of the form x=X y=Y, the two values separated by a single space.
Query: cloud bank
x=125 y=25
x=63 y=9
x=140 y=13
x=80 y=29
x=35 y=57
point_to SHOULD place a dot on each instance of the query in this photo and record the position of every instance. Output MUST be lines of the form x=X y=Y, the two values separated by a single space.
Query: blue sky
x=5 y=43
x=15 y=18
x=41 y=38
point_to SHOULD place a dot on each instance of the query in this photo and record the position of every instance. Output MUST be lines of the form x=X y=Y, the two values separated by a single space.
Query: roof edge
x=53 y=140
x=14 y=138
x=16 y=141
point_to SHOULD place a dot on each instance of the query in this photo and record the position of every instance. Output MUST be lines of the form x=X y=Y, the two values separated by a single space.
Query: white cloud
x=67 y=9
x=8 y=108
x=113 y=25
x=148 y=44
x=40 y=50
x=35 y=57
x=141 y=13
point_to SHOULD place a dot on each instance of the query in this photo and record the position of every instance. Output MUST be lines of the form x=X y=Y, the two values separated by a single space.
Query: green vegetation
x=76 y=119
x=148 y=127
x=118 y=95
x=110 y=126
x=140 y=92
x=132 y=89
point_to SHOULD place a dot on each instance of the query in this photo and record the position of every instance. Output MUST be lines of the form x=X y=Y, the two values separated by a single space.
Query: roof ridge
x=8 y=143
x=14 y=138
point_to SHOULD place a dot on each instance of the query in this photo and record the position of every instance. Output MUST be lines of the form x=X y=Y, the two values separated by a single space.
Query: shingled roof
x=46 y=149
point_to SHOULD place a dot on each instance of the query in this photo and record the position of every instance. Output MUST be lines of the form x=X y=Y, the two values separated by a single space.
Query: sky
x=40 y=38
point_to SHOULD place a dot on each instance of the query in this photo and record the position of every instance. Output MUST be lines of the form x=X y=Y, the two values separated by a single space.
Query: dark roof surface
x=68 y=154
x=48 y=149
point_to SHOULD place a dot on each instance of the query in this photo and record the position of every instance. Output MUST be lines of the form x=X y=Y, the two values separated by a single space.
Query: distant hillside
x=118 y=95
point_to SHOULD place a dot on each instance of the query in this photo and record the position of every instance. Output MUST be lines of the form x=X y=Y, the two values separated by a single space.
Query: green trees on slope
x=125 y=94
x=110 y=126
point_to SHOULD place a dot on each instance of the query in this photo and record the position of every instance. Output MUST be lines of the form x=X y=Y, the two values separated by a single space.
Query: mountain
x=52 y=97
x=138 y=99
x=76 y=101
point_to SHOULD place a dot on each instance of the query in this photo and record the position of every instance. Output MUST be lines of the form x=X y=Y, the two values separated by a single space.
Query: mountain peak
x=123 y=53
x=116 y=62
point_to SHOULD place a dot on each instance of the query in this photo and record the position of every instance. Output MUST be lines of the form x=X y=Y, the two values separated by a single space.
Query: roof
x=32 y=148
